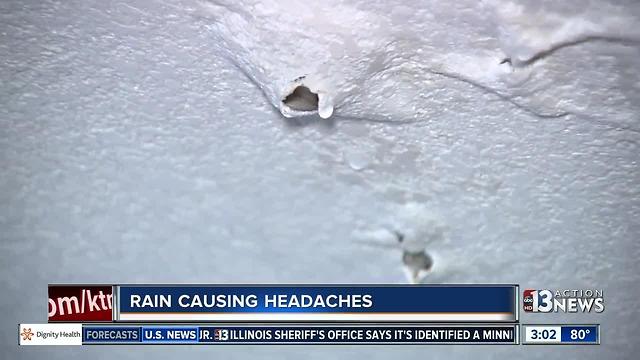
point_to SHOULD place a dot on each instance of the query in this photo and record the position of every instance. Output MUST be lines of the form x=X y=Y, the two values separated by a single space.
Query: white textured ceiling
x=142 y=141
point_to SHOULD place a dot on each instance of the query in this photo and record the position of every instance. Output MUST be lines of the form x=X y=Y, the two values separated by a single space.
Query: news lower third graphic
x=309 y=314
x=316 y=303
x=301 y=334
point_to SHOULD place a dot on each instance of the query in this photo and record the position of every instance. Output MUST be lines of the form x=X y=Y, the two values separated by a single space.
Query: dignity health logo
x=50 y=334
x=26 y=334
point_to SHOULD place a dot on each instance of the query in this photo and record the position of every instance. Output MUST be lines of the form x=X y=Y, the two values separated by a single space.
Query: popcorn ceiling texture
x=143 y=141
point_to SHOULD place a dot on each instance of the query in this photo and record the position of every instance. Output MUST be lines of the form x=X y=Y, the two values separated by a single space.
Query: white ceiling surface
x=140 y=141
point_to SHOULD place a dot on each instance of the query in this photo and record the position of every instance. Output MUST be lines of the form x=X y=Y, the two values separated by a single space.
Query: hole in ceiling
x=417 y=261
x=301 y=99
x=417 y=265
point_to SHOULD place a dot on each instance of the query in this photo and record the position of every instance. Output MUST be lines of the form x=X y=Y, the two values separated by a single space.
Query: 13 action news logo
x=221 y=335
x=568 y=301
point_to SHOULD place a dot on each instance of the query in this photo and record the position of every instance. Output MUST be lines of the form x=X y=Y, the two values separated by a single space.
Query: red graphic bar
x=80 y=303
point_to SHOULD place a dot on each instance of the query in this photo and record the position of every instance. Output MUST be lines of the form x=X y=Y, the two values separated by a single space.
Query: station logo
x=567 y=301
x=221 y=335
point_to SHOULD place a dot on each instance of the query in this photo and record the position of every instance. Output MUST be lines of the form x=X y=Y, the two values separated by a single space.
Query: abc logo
x=527 y=301
x=537 y=300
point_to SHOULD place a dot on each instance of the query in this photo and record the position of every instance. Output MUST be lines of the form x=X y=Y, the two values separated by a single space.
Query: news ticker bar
x=236 y=334
x=281 y=303
x=243 y=334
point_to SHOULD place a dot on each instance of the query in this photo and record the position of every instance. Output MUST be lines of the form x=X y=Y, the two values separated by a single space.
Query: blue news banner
x=299 y=334
x=310 y=314
x=278 y=303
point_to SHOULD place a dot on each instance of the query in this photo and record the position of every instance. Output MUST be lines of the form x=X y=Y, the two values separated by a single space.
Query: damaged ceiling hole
x=301 y=99
x=416 y=261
